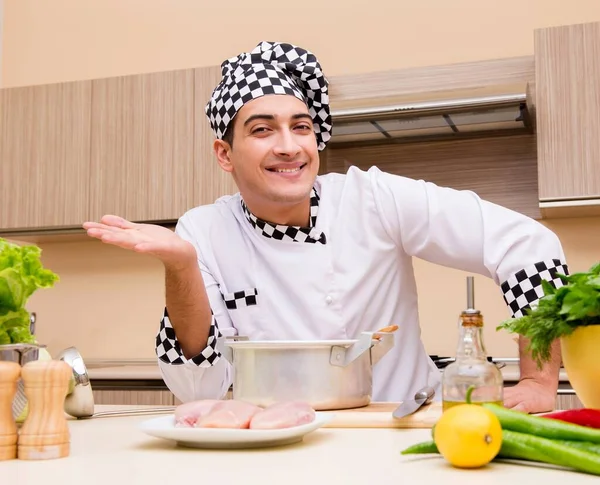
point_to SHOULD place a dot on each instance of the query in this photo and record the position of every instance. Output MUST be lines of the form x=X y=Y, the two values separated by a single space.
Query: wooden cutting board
x=379 y=415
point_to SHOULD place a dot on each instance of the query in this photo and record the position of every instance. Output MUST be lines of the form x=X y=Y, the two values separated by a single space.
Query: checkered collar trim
x=289 y=233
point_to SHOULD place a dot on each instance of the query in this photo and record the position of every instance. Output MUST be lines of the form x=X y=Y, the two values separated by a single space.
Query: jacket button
x=328 y=300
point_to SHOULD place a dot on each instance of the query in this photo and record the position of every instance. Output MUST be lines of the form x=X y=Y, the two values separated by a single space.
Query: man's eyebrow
x=300 y=116
x=261 y=116
x=258 y=117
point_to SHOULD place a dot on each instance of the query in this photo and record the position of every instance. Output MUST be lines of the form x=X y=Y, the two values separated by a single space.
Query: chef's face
x=273 y=158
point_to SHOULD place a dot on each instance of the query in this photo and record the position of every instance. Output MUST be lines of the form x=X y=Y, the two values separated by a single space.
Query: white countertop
x=127 y=370
x=111 y=450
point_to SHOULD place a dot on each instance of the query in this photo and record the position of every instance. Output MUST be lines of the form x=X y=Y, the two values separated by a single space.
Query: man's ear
x=222 y=150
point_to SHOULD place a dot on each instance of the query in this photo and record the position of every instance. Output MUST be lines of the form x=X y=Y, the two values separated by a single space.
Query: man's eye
x=259 y=129
x=304 y=127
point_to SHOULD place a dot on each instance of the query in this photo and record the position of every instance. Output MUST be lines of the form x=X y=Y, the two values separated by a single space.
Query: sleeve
x=458 y=229
x=207 y=375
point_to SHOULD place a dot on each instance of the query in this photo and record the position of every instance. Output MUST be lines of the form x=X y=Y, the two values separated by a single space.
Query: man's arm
x=195 y=317
x=458 y=229
x=186 y=340
x=188 y=307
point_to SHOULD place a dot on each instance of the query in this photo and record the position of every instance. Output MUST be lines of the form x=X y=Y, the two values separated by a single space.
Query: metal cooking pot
x=328 y=374
x=21 y=354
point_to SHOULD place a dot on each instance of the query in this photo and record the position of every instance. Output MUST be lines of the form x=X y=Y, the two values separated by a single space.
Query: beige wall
x=109 y=301
x=65 y=40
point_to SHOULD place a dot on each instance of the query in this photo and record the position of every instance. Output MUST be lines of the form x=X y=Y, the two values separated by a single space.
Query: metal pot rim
x=21 y=346
x=288 y=344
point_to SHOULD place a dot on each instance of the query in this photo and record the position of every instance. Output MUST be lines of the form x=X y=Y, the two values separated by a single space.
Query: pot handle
x=384 y=345
x=341 y=356
x=225 y=349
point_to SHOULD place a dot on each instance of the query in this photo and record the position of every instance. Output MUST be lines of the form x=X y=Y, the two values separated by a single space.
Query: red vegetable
x=584 y=417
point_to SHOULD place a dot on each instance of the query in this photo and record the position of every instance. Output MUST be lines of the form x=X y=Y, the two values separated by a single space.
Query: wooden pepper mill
x=45 y=432
x=9 y=376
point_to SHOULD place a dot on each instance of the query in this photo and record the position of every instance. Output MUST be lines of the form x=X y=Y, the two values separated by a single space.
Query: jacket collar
x=289 y=233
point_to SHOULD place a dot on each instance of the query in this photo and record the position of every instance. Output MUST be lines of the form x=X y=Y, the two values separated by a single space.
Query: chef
x=298 y=256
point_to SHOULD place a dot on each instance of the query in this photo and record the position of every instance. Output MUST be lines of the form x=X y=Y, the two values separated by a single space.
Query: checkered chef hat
x=271 y=68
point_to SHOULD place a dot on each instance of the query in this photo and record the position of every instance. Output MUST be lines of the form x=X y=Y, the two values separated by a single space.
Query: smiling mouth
x=287 y=170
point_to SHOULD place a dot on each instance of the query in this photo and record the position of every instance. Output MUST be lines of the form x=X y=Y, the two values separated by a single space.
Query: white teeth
x=287 y=170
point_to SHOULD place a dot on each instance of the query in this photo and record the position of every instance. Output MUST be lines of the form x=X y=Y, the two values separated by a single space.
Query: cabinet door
x=567 y=64
x=210 y=181
x=44 y=155
x=142 y=146
x=568 y=400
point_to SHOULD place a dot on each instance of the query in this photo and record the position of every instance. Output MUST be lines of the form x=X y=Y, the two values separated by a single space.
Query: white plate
x=164 y=427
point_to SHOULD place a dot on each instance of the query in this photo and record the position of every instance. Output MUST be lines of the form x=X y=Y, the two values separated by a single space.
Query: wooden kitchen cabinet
x=567 y=66
x=137 y=146
x=421 y=83
x=44 y=155
x=499 y=169
x=134 y=396
x=142 y=146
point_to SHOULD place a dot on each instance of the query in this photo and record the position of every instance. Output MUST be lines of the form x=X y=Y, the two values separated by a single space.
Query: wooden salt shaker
x=9 y=376
x=45 y=432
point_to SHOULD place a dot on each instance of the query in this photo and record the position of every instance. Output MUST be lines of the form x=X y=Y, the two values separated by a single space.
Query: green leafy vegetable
x=559 y=312
x=4 y=338
x=16 y=327
x=21 y=274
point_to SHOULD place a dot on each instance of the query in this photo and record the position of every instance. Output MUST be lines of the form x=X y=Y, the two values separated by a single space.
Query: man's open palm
x=143 y=238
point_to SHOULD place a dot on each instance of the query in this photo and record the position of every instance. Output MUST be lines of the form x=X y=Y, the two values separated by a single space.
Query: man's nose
x=287 y=144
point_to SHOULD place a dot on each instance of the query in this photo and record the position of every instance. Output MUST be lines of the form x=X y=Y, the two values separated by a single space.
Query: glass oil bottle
x=471 y=367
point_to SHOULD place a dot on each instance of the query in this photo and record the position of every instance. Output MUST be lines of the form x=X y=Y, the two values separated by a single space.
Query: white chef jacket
x=350 y=272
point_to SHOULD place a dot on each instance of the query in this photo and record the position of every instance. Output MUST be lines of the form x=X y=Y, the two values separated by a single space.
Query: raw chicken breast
x=187 y=414
x=229 y=414
x=283 y=415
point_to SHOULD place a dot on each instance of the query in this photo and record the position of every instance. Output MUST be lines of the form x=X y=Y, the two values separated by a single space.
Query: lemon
x=468 y=436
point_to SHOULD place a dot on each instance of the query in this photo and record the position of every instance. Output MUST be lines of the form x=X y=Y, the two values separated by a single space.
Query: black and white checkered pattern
x=290 y=233
x=168 y=350
x=240 y=299
x=523 y=289
x=271 y=68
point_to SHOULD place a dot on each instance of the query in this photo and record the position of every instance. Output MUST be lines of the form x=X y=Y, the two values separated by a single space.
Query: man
x=298 y=256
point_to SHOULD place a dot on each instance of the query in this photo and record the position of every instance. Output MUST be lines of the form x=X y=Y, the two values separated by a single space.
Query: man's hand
x=536 y=390
x=154 y=240
x=530 y=396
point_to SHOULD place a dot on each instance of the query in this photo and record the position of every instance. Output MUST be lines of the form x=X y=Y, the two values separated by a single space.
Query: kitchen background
x=109 y=301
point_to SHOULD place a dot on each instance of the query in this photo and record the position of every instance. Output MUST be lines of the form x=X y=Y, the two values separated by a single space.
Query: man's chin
x=290 y=195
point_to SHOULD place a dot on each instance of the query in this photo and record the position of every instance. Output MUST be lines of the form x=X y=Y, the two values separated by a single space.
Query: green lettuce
x=4 y=338
x=21 y=274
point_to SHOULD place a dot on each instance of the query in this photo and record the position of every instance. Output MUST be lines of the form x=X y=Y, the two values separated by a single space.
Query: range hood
x=434 y=115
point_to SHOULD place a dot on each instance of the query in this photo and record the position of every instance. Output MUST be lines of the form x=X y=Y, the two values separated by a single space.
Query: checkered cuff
x=523 y=289
x=168 y=350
